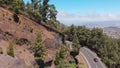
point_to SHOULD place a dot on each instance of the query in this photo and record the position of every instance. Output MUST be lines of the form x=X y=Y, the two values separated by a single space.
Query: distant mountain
x=111 y=28
x=102 y=24
x=113 y=32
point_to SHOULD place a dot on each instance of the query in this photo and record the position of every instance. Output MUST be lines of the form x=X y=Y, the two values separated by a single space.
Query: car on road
x=95 y=59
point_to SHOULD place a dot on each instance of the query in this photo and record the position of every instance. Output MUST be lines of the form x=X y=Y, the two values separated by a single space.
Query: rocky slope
x=24 y=29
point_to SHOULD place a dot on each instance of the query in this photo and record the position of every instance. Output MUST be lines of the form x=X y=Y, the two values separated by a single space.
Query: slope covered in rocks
x=25 y=29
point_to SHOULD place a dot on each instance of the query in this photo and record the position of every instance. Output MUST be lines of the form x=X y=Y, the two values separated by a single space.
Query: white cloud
x=68 y=18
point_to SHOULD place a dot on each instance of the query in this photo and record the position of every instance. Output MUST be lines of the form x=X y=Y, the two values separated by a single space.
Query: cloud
x=78 y=19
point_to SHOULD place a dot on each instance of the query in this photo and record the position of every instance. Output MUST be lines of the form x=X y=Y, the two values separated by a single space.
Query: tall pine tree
x=75 y=45
x=40 y=51
x=39 y=48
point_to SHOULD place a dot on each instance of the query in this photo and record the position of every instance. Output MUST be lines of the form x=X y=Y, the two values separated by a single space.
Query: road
x=89 y=56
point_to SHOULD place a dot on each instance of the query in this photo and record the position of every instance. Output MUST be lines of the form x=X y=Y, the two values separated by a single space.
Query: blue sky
x=88 y=6
x=84 y=12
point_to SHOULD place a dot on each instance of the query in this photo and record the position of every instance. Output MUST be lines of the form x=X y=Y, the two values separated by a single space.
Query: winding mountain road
x=89 y=56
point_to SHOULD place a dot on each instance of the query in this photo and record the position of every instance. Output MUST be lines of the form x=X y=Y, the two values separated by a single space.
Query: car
x=95 y=59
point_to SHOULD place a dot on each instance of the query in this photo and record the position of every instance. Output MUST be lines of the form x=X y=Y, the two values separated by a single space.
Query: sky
x=85 y=12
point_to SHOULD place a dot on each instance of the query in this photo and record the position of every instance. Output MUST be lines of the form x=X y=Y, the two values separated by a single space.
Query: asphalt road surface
x=89 y=56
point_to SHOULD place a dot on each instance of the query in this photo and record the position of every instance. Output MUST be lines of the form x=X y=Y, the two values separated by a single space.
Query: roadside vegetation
x=82 y=62
x=64 y=59
x=106 y=48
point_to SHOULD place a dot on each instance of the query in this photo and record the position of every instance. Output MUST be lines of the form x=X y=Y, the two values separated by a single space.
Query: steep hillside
x=25 y=29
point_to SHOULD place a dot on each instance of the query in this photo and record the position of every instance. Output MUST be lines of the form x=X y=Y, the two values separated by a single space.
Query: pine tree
x=39 y=48
x=52 y=13
x=18 y=5
x=1 y=51
x=44 y=11
x=75 y=45
x=60 y=60
x=28 y=6
x=40 y=51
x=71 y=33
x=35 y=4
x=10 y=49
x=7 y=3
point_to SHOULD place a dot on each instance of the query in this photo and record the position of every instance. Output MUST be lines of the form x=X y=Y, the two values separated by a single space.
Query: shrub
x=31 y=29
x=10 y=49
x=16 y=18
x=9 y=19
x=22 y=41
x=1 y=52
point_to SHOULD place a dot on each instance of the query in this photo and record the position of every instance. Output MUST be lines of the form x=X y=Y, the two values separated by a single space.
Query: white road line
x=94 y=55
x=91 y=58
x=85 y=59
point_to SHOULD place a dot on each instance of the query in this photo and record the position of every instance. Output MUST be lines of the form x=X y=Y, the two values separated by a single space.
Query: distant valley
x=113 y=32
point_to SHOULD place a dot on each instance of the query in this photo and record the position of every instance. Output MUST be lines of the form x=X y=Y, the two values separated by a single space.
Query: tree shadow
x=40 y=63
x=16 y=18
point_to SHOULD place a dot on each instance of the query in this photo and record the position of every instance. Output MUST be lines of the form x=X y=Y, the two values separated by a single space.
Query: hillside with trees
x=31 y=36
x=38 y=10
x=105 y=47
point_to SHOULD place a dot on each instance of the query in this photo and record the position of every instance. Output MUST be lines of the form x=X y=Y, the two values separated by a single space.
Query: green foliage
x=35 y=4
x=13 y=4
x=39 y=48
x=1 y=51
x=1 y=2
x=72 y=35
x=10 y=49
x=83 y=34
x=63 y=59
x=106 y=48
x=18 y=5
x=37 y=10
x=40 y=51
x=52 y=13
x=45 y=10
x=6 y=2
x=70 y=32
x=62 y=54
x=75 y=46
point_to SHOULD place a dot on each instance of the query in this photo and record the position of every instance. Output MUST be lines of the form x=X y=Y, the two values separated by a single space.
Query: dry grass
x=82 y=63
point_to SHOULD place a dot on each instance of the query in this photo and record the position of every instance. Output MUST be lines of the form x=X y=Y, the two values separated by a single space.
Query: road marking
x=91 y=59
x=95 y=56
x=85 y=59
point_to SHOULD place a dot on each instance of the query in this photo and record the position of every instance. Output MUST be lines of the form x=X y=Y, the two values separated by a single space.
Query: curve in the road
x=88 y=65
x=89 y=56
